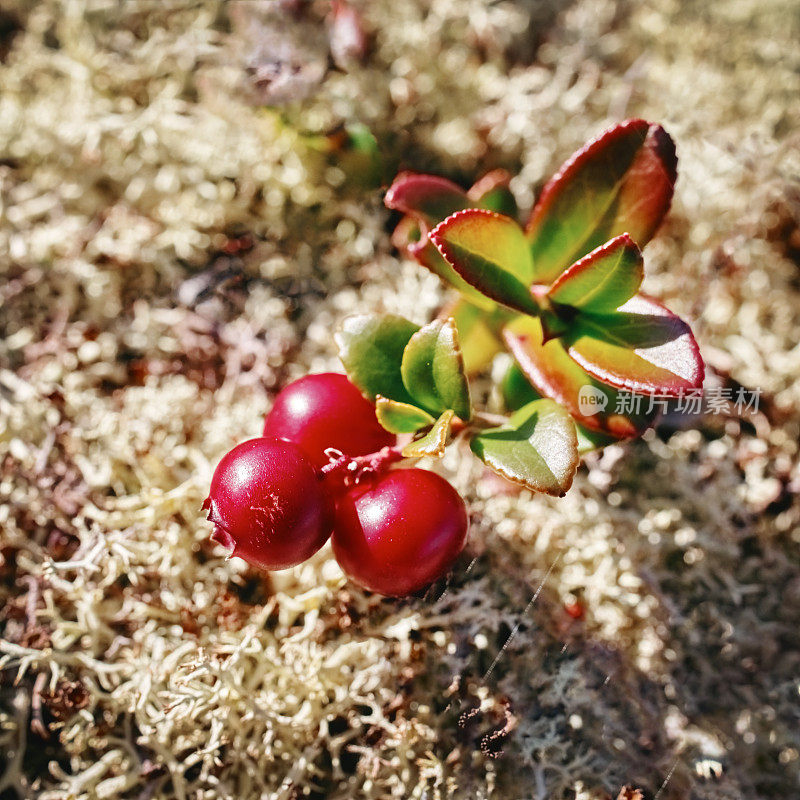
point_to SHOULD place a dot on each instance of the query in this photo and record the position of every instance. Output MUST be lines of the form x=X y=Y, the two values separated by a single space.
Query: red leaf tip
x=495 y=179
x=467 y=212
x=665 y=147
x=399 y=194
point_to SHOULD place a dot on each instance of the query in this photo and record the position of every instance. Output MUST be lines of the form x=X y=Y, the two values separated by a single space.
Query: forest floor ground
x=173 y=253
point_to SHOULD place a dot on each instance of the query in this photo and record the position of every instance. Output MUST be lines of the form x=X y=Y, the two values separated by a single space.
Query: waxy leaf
x=426 y=254
x=537 y=448
x=491 y=253
x=621 y=181
x=643 y=347
x=589 y=440
x=602 y=281
x=428 y=198
x=401 y=417
x=434 y=441
x=492 y=193
x=517 y=392
x=516 y=389
x=410 y=236
x=371 y=348
x=433 y=369
x=478 y=331
x=591 y=402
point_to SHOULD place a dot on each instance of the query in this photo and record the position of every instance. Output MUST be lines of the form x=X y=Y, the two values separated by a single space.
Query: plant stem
x=356 y=467
x=351 y=470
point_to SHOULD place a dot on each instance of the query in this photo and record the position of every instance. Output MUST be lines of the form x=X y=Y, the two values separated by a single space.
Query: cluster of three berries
x=272 y=504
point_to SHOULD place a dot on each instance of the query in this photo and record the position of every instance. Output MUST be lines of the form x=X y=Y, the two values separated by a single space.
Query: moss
x=176 y=254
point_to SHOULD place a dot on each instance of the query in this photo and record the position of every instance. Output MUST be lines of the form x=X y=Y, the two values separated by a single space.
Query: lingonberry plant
x=561 y=295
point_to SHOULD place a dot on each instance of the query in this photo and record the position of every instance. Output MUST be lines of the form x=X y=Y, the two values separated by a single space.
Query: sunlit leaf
x=602 y=281
x=538 y=448
x=434 y=441
x=426 y=254
x=428 y=198
x=492 y=193
x=433 y=369
x=642 y=347
x=517 y=391
x=621 y=181
x=491 y=253
x=371 y=348
x=589 y=440
x=479 y=332
x=594 y=404
x=401 y=417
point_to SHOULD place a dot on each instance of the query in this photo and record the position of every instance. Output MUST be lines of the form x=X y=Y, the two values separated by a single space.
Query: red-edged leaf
x=642 y=347
x=490 y=252
x=426 y=254
x=492 y=193
x=620 y=181
x=406 y=234
x=556 y=375
x=411 y=236
x=604 y=280
x=428 y=198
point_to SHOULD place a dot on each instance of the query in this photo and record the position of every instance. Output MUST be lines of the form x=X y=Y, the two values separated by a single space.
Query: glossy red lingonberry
x=268 y=504
x=326 y=411
x=400 y=531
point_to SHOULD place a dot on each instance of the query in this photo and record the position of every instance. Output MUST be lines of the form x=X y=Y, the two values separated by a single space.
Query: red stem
x=355 y=468
x=351 y=470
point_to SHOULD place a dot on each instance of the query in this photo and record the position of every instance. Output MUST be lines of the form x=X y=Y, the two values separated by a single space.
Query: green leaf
x=371 y=348
x=478 y=331
x=594 y=404
x=427 y=200
x=429 y=257
x=602 y=281
x=589 y=440
x=643 y=347
x=492 y=193
x=621 y=181
x=538 y=448
x=516 y=389
x=517 y=392
x=433 y=369
x=434 y=441
x=401 y=417
x=362 y=139
x=490 y=252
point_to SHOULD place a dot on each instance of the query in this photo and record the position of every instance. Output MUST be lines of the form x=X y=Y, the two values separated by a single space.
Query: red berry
x=326 y=410
x=400 y=531
x=268 y=505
